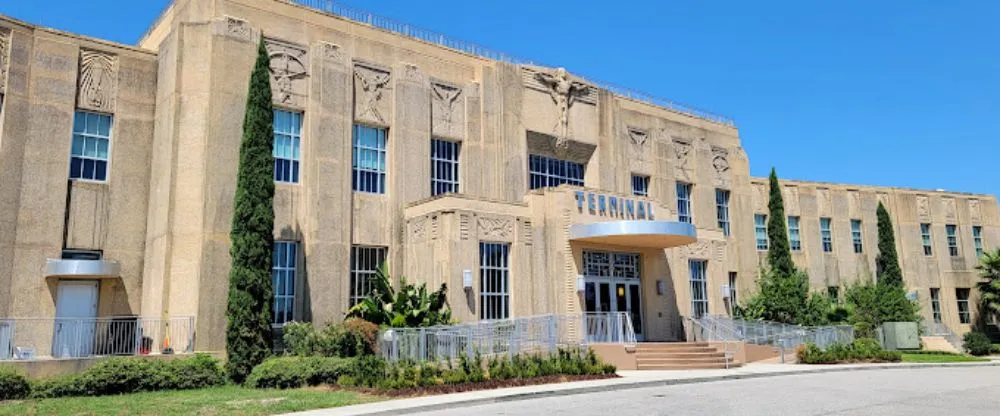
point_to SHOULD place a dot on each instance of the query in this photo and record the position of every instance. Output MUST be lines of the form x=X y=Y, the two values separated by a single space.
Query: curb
x=646 y=383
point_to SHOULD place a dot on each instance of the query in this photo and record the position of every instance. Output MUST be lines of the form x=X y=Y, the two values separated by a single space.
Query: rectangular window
x=683 y=202
x=640 y=185
x=794 y=234
x=936 y=304
x=952 y=231
x=856 y=236
x=369 y=159
x=283 y=280
x=977 y=239
x=548 y=172
x=962 y=295
x=699 y=290
x=722 y=210
x=365 y=262
x=287 y=139
x=825 y=234
x=91 y=143
x=732 y=289
x=833 y=292
x=760 y=230
x=494 y=277
x=444 y=167
x=925 y=235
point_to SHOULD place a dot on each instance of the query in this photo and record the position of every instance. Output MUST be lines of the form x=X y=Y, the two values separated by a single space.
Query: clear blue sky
x=899 y=93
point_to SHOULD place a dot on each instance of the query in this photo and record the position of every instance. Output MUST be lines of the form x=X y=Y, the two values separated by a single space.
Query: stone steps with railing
x=681 y=356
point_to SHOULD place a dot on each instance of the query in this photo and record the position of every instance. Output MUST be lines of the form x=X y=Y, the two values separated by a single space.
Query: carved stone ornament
x=288 y=72
x=332 y=52
x=759 y=197
x=446 y=110
x=98 y=81
x=974 y=212
x=412 y=72
x=564 y=92
x=824 y=201
x=884 y=199
x=526 y=232
x=701 y=249
x=638 y=138
x=238 y=28
x=4 y=58
x=495 y=228
x=720 y=160
x=369 y=88
x=418 y=229
x=949 y=208
x=463 y=226
x=923 y=206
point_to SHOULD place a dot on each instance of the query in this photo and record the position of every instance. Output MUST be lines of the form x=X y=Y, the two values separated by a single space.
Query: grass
x=227 y=400
x=939 y=357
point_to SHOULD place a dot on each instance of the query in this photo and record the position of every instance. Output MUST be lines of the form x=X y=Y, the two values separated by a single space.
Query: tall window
x=546 y=172
x=732 y=289
x=925 y=236
x=494 y=278
x=699 y=291
x=287 y=136
x=722 y=210
x=794 y=234
x=825 y=234
x=952 y=232
x=936 y=304
x=856 y=236
x=444 y=166
x=91 y=140
x=760 y=230
x=283 y=280
x=977 y=239
x=369 y=159
x=962 y=295
x=640 y=185
x=365 y=262
x=683 y=202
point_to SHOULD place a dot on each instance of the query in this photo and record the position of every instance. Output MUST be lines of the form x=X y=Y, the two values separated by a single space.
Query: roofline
x=756 y=179
x=53 y=31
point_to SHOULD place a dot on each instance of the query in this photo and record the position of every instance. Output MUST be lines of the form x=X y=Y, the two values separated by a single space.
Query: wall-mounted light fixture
x=661 y=287
x=467 y=279
x=581 y=285
x=726 y=292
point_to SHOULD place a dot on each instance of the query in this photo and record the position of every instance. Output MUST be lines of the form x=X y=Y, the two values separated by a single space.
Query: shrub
x=65 y=386
x=13 y=384
x=861 y=350
x=294 y=372
x=367 y=371
x=351 y=338
x=129 y=375
x=976 y=343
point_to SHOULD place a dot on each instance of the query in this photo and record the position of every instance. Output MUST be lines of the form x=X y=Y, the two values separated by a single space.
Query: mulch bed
x=484 y=385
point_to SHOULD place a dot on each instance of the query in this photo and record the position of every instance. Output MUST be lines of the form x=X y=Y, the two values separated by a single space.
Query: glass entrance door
x=611 y=284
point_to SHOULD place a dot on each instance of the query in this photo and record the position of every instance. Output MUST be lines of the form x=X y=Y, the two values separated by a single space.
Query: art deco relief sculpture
x=923 y=206
x=720 y=159
x=4 y=60
x=497 y=228
x=638 y=140
x=98 y=81
x=369 y=86
x=288 y=72
x=974 y=212
x=444 y=98
x=564 y=93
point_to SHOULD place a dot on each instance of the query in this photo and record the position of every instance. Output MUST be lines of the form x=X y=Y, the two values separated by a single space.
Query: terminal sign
x=614 y=206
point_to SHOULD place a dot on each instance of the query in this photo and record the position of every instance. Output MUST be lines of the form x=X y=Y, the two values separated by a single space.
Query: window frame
x=935 y=295
x=684 y=213
x=826 y=234
x=926 y=239
x=640 y=185
x=550 y=177
x=294 y=135
x=857 y=236
x=759 y=229
x=698 y=285
x=951 y=235
x=733 y=289
x=380 y=172
x=722 y=197
x=494 y=281
x=287 y=273
x=964 y=316
x=440 y=186
x=359 y=284
x=96 y=136
x=977 y=240
x=795 y=233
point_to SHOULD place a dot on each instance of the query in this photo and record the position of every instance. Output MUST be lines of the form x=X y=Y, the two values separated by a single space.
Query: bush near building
x=13 y=384
x=977 y=343
x=862 y=350
x=351 y=338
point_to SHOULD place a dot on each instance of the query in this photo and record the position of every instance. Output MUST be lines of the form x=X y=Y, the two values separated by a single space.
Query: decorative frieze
x=238 y=28
x=701 y=249
x=370 y=86
x=490 y=228
x=720 y=160
x=418 y=230
x=682 y=159
x=923 y=207
x=98 y=81
x=949 y=208
x=975 y=214
x=447 y=111
x=5 y=36
x=565 y=91
x=289 y=72
x=638 y=139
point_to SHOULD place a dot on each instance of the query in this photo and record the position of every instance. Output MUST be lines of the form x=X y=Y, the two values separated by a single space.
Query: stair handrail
x=712 y=331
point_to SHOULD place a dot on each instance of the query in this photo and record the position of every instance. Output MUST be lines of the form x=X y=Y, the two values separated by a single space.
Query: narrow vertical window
x=287 y=139
x=683 y=202
x=283 y=281
x=962 y=295
x=856 y=239
x=722 y=210
x=794 y=234
x=936 y=304
x=951 y=230
x=369 y=159
x=640 y=185
x=91 y=143
x=760 y=230
x=494 y=279
x=977 y=240
x=444 y=167
x=925 y=236
x=365 y=262
x=733 y=289
x=699 y=290
x=548 y=172
x=826 y=234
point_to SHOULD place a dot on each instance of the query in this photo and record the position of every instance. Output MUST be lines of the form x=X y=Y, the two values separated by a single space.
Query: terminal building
x=527 y=189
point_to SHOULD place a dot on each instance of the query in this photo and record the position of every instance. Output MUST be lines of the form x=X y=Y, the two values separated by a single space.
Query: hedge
x=294 y=372
x=861 y=350
x=130 y=375
x=13 y=384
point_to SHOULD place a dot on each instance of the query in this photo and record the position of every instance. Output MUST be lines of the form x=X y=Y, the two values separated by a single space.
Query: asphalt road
x=912 y=392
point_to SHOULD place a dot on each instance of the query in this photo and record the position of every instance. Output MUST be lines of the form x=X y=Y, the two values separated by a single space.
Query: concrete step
x=659 y=354
x=705 y=366
x=672 y=344
x=672 y=361
x=679 y=350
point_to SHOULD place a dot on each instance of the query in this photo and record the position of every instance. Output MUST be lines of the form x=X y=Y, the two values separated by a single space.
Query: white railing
x=707 y=330
x=429 y=36
x=784 y=337
x=46 y=338
x=542 y=333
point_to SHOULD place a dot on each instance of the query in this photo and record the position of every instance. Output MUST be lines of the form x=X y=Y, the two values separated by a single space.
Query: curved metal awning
x=638 y=233
x=82 y=268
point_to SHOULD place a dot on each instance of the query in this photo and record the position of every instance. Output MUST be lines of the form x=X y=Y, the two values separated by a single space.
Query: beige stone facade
x=177 y=101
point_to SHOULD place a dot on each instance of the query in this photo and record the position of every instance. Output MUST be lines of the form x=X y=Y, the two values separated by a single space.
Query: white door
x=76 y=310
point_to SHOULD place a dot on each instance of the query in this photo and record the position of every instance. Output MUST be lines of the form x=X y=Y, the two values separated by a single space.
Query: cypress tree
x=887 y=268
x=248 y=330
x=779 y=254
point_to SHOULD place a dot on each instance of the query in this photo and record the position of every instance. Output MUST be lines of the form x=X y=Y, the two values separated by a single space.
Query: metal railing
x=542 y=333
x=429 y=36
x=784 y=337
x=942 y=330
x=707 y=330
x=46 y=338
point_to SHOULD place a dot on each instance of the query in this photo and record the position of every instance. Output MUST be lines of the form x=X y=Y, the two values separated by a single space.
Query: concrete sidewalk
x=628 y=380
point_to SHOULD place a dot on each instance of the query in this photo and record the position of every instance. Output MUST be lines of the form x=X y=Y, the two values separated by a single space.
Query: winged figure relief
x=371 y=89
x=564 y=93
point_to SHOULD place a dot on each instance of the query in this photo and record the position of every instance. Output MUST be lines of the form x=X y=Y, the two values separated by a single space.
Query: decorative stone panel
x=883 y=198
x=791 y=199
x=4 y=58
x=949 y=208
x=759 y=197
x=682 y=159
x=565 y=91
x=638 y=140
x=98 y=81
x=824 y=201
x=923 y=207
x=720 y=164
x=975 y=214
x=497 y=229
x=289 y=72
x=701 y=249
x=464 y=225
x=526 y=233
x=854 y=203
x=447 y=110
x=418 y=229
x=234 y=27
x=371 y=85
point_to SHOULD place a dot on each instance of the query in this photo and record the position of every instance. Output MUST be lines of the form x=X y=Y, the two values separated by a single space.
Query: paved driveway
x=909 y=392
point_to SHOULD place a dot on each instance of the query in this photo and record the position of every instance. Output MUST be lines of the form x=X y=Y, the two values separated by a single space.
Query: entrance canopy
x=638 y=233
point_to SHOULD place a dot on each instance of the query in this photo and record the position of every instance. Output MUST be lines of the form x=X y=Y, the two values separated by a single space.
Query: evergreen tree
x=887 y=269
x=779 y=254
x=248 y=330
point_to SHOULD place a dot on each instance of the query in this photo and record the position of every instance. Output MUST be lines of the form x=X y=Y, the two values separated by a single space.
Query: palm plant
x=989 y=288
x=410 y=306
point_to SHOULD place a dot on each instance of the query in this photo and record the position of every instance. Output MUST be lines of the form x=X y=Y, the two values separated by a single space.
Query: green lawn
x=939 y=358
x=228 y=400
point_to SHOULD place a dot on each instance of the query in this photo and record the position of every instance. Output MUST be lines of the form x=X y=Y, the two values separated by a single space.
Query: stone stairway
x=680 y=356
